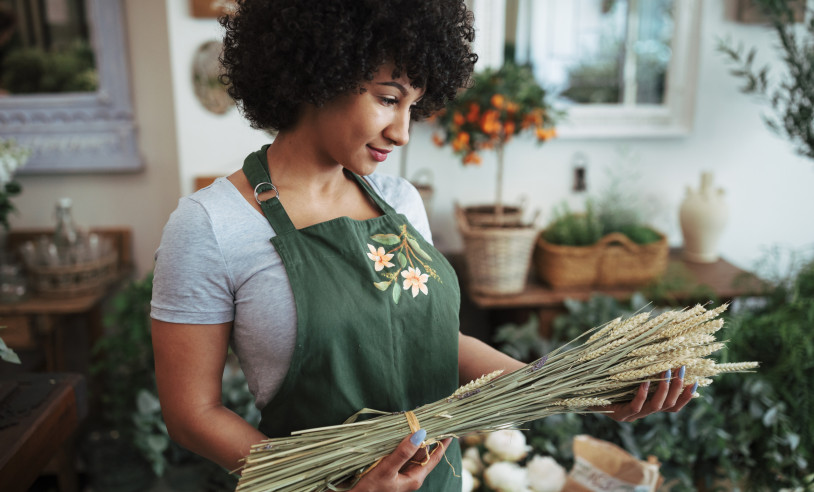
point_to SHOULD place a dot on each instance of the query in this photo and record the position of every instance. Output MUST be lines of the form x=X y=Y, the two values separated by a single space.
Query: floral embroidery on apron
x=411 y=259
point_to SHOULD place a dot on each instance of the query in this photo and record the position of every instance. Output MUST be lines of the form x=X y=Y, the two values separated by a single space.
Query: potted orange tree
x=499 y=106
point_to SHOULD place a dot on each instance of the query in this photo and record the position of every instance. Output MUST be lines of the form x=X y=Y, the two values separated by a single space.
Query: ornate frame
x=78 y=132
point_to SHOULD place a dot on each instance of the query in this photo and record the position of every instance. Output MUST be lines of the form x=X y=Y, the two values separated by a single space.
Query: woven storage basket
x=497 y=258
x=73 y=280
x=484 y=215
x=613 y=261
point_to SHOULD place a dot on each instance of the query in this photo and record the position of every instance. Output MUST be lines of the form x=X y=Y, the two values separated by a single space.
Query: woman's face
x=358 y=130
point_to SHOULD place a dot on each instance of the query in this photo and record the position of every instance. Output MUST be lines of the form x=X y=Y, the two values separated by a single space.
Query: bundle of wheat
x=606 y=368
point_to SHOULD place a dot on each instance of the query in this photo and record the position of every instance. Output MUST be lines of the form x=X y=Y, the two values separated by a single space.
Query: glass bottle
x=65 y=234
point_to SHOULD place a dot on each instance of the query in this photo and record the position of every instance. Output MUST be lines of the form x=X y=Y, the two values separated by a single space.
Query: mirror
x=64 y=85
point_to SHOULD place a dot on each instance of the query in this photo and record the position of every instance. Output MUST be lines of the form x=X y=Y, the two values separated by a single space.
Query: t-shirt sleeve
x=191 y=282
x=405 y=199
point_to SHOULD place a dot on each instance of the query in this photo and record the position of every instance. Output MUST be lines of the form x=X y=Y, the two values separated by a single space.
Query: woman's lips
x=378 y=154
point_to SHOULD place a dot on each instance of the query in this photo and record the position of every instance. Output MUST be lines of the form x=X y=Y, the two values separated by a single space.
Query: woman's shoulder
x=395 y=190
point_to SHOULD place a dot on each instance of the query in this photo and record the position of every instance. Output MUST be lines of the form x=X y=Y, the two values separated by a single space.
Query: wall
x=143 y=200
x=769 y=188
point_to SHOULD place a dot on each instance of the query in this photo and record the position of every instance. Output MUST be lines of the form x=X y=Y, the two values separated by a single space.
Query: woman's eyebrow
x=396 y=85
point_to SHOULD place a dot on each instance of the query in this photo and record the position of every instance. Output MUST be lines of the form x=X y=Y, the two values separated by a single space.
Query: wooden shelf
x=722 y=278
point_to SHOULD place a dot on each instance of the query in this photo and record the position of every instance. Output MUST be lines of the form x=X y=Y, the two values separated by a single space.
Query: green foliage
x=6 y=353
x=746 y=431
x=124 y=355
x=792 y=97
x=32 y=71
x=573 y=229
x=130 y=397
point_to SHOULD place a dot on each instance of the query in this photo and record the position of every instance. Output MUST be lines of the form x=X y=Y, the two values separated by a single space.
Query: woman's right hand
x=396 y=472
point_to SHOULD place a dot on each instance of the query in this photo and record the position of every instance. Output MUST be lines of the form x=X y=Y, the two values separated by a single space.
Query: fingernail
x=668 y=375
x=694 y=387
x=418 y=437
x=681 y=372
x=646 y=386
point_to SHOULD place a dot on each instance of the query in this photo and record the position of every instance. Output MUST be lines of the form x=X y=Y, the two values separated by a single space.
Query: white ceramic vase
x=703 y=216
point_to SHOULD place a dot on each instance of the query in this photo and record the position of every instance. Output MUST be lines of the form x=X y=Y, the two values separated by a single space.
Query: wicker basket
x=73 y=280
x=613 y=261
x=497 y=258
x=485 y=215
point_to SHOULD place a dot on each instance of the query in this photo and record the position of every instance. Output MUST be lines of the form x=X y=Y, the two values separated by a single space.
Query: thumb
x=405 y=451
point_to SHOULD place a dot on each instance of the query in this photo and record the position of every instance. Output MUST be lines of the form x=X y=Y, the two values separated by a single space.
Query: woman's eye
x=389 y=101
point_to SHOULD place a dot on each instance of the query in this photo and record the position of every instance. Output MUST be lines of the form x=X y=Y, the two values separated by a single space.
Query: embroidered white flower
x=379 y=257
x=414 y=279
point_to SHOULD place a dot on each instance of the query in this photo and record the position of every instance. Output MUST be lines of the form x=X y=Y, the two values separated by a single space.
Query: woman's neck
x=296 y=165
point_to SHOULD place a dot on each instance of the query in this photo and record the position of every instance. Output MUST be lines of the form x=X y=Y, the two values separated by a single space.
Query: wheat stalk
x=582 y=376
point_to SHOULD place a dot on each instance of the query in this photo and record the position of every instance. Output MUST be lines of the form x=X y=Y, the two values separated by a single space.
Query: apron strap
x=383 y=205
x=255 y=167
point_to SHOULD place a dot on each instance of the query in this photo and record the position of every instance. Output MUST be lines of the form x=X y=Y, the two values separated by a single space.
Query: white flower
x=545 y=474
x=468 y=481
x=507 y=445
x=413 y=278
x=379 y=257
x=472 y=461
x=506 y=477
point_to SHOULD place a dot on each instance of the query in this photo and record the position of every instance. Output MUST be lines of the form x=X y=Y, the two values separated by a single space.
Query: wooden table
x=722 y=279
x=37 y=322
x=43 y=433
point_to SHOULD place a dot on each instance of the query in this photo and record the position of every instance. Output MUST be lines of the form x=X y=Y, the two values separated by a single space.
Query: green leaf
x=389 y=239
x=157 y=443
x=396 y=292
x=402 y=260
x=147 y=402
x=417 y=249
x=382 y=286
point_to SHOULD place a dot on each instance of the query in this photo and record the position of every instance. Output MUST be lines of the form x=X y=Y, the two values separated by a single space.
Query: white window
x=621 y=68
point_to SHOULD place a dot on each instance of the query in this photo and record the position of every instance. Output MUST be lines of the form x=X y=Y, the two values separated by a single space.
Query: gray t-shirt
x=215 y=264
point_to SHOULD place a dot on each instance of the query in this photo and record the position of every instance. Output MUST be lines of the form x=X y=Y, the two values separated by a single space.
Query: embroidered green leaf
x=382 y=285
x=396 y=292
x=417 y=249
x=389 y=239
x=402 y=260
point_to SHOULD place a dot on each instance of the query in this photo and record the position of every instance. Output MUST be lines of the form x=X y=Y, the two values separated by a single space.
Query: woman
x=318 y=272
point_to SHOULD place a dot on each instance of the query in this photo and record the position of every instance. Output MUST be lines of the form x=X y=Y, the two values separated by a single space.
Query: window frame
x=674 y=118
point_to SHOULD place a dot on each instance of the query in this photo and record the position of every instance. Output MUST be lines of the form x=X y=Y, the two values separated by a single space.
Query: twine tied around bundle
x=412 y=421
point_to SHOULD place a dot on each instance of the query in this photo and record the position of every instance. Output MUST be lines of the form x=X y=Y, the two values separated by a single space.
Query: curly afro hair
x=279 y=54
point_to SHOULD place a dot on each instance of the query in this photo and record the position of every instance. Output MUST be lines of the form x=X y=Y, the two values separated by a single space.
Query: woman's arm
x=189 y=362
x=476 y=358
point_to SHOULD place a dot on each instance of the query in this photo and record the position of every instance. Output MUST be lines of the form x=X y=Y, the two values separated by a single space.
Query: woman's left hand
x=670 y=396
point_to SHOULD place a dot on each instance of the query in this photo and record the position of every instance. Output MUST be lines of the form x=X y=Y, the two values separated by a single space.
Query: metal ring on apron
x=273 y=188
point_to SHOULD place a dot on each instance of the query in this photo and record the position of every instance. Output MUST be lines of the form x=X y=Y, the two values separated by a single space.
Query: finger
x=404 y=452
x=656 y=400
x=627 y=412
x=417 y=471
x=685 y=397
x=676 y=388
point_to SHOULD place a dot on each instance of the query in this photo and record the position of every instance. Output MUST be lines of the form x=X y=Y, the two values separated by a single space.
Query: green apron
x=377 y=320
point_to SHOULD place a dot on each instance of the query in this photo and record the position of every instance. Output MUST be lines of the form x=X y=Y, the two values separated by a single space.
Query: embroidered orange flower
x=415 y=280
x=379 y=257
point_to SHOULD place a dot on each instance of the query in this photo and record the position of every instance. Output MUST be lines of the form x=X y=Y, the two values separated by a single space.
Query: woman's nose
x=398 y=131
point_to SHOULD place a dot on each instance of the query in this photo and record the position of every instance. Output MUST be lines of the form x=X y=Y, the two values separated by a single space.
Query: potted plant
x=596 y=248
x=499 y=105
